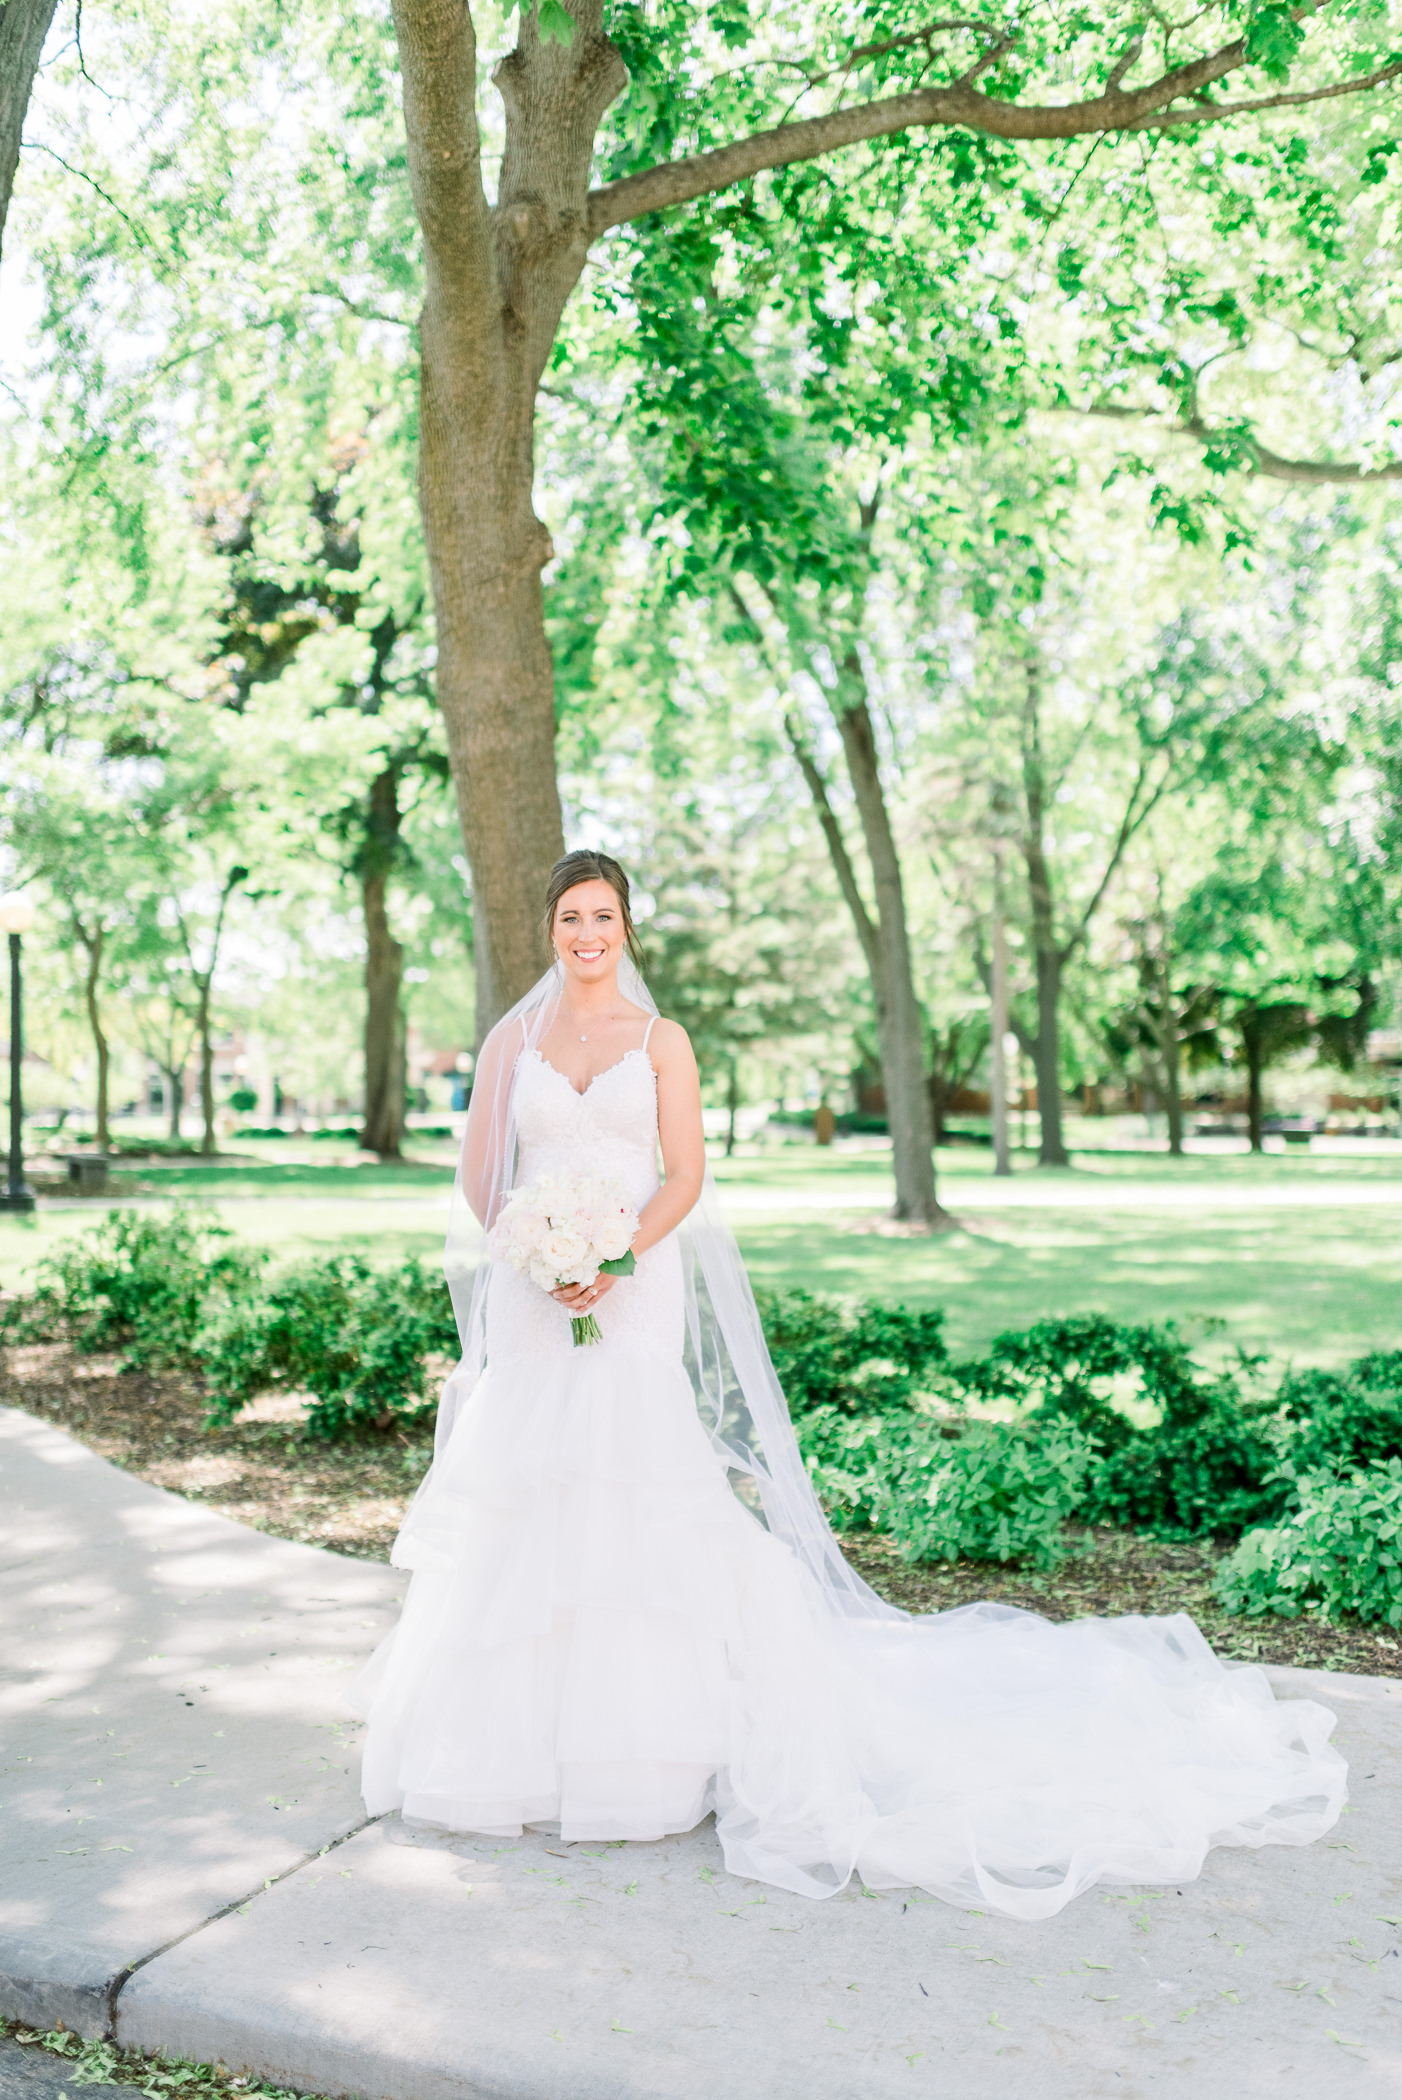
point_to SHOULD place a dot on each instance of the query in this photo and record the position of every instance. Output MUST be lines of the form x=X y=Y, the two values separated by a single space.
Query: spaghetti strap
x=525 y=1037
x=646 y=1032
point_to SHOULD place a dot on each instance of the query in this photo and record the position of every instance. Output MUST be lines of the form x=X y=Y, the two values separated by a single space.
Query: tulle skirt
x=599 y=1637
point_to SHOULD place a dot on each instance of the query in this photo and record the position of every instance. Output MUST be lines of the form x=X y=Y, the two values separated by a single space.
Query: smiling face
x=588 y=932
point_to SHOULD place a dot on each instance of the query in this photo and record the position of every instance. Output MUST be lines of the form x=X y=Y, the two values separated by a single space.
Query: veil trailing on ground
x=738 y=1395
x=598 y=1640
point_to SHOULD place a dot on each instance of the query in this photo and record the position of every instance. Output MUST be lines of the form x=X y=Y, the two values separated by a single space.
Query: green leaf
x=1272 y=39
x=554 y=25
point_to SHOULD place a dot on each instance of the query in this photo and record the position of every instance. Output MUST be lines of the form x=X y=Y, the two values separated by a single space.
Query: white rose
x=565 y=1251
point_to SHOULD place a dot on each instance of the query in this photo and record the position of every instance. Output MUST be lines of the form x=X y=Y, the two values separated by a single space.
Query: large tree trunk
x=24 y=24
x=1173 y=1091
x=1255 y=1092
x=1046 y=1058
x=383 y=1130
x=93 y=944
x=1170 y=1058
x=910 y=1121
x=998 y=989
x=174 y=1077
x=209 y=1144
x=384 y=973
x=496 y=283
x=1049 y=956
x=899 y=1021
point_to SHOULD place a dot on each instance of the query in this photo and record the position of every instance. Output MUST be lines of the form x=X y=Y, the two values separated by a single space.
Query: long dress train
x=599 y=1636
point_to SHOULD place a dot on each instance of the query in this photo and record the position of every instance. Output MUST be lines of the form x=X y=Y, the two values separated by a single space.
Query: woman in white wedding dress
x=627 y=1610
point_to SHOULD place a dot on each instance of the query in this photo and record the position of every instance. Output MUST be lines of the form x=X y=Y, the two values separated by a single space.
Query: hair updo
x=591 y=867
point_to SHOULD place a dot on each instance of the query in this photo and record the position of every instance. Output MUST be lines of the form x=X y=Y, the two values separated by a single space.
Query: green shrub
x=854 y=1357
x=1062 y=1368
x=1212 y=1476
x=852 y=1459
x=1340 y=1551
x=999 y=1491
x=139 y=1281
x=1351 y=1417
x=942 y=1488
x=1207 y=1465
x=356 y=1338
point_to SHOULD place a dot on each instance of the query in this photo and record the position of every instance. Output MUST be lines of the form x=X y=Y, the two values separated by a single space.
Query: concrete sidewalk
x=540 y=1971
x=171 y=1733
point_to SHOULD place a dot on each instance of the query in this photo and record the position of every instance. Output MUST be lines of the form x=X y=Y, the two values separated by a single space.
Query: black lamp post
x=16 y=918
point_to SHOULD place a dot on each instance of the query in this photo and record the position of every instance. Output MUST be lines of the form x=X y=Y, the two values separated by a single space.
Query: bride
x=627 y=1610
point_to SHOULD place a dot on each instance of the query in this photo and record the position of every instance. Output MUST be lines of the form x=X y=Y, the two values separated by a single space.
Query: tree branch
x=1134 y=816
x=1308 y=472
x=38 y=146
x=1208 y=111
x=1115 y=109
x=438 y=61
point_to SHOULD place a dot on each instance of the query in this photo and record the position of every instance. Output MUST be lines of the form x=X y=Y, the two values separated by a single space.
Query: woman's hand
x=580 y=1298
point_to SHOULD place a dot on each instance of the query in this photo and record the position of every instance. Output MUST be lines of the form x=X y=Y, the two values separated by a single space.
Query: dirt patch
x=350 y=1497
x=1113 y=1572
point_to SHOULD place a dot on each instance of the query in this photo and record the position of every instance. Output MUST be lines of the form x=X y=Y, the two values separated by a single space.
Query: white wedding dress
x=602 y=1638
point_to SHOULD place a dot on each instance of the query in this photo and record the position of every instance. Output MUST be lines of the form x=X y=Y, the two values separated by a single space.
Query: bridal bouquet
x=567 y=1229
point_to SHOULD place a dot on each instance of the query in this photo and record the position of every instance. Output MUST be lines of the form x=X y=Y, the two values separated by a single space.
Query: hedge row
x=1080 y=1419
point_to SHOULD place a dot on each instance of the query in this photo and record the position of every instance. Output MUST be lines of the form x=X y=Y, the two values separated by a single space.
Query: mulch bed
x=349 y=1497
x=1110 y=1572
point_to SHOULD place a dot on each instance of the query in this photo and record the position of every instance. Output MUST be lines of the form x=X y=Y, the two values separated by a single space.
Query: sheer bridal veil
x=738 y=1395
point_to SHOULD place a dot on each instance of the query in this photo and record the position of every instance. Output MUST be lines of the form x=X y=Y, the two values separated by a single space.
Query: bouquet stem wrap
x=587 y=1329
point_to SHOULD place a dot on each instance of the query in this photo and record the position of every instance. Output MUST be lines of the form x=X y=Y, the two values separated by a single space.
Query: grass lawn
x=1298 y=1253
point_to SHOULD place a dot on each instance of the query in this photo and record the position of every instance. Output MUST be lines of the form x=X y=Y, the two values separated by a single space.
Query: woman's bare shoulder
x=669 y=1043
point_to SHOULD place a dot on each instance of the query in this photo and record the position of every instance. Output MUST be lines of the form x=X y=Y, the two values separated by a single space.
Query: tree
x=285 y=295
x=157 y=1015
x=885 y=943
x=1164 y=1016
x=274 y=610
x=724 y=947
x=498 y=277
x=79 y=841
x=1287 y=940
x=769 y=406
x=24 y=24
x=1271 y=1024
x=1057 y=935
x=201 y=951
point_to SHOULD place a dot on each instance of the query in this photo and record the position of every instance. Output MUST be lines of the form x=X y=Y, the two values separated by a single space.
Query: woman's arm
x=679 y=1127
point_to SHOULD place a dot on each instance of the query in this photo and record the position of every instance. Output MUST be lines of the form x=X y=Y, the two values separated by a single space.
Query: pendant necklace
x=603 y=1017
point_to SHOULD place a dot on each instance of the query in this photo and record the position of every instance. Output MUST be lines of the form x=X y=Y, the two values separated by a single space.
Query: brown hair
x=591 y=867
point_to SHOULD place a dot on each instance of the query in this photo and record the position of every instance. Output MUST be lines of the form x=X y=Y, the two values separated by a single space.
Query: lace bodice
x=610 y=1128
